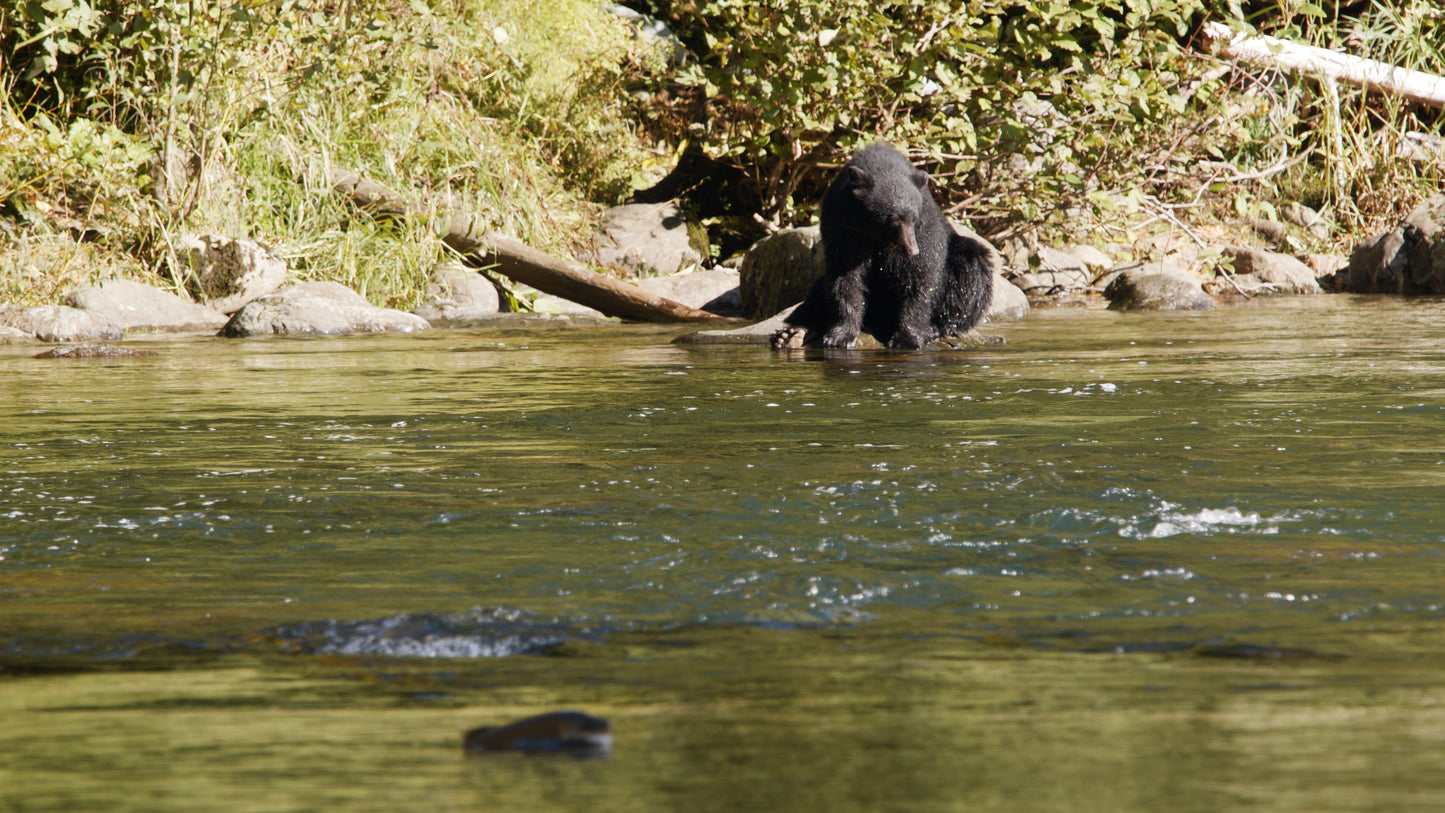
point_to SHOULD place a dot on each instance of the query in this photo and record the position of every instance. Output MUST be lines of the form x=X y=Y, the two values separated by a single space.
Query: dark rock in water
x=1259 y=652
x=1407 y=260
x=1157 y=288
x=94 y=351
x=560 y=732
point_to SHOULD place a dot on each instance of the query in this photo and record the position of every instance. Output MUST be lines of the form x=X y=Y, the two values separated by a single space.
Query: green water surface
x=1124 y=562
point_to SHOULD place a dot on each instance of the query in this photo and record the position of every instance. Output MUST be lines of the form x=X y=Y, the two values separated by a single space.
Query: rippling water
x=805 y=557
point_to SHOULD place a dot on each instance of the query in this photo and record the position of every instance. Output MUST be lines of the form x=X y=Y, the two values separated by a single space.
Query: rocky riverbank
x=236 y=289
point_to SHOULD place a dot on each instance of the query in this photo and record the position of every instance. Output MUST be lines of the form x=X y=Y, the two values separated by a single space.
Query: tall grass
x=231 y=117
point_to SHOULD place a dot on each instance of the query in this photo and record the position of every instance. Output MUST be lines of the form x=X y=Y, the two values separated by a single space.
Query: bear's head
x=887 y=196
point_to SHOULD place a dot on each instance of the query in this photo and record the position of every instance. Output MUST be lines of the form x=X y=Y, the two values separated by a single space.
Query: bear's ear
x=920 y=179
x=858 y=179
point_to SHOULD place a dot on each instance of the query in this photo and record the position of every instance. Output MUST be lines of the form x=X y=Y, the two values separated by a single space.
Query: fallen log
x=467 y=235
x=1381 y=77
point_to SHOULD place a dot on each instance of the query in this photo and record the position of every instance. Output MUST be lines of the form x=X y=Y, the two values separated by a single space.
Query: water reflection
x=871 y=565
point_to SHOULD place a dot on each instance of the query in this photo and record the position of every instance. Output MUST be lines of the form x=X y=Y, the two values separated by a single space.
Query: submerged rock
x=560 y=732
x=309 y=308
x=136 y=306
x=1158 y=288
x=94 y=351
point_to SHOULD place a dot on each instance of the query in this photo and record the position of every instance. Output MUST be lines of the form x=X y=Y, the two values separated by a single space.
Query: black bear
x=895 y=266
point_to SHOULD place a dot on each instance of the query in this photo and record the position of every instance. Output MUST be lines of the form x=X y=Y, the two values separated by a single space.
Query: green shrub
x=782 y=88
x=1027 y=113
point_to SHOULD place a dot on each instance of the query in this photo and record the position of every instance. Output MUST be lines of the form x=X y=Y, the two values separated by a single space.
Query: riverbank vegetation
x=127 y=124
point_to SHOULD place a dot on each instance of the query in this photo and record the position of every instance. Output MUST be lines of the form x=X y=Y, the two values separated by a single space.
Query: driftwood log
x=467 y=235
x=1381 y=77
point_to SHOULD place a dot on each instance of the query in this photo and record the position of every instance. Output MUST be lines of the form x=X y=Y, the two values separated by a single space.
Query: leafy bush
x=1028 y=113
x=782 y=88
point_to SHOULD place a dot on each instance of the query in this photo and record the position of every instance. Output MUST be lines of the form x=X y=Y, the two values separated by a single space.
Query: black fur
x=895 y=266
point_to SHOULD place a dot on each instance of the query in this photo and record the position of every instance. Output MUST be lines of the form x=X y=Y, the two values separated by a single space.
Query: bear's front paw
x=789 y=337
x=840 y=337
x=906 y=340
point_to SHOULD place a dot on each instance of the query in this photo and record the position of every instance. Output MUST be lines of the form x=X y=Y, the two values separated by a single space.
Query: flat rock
x=317 y=308
x=227 y=273
x=136 y=306
x=456 y=294
x=60 y=323
x=714 y=290
x=1154 y=287
x=756 y=333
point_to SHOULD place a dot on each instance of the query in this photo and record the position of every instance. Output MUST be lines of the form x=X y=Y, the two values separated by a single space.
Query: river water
x=1124 y=562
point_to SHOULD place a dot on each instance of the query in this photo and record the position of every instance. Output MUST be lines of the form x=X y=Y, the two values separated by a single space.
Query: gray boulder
x=1093 y=259
x=1054 y=273
x=1262 y=272
x=225 y=273
x=645 y=238
x=60 y=323
x=1155 y=287
x=456 y=294
x=1009 y=301
x=14 y=335
x=136 y=306
x=1410 y=259
x=310 y=308
x=714 y=290
x=778 y=270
